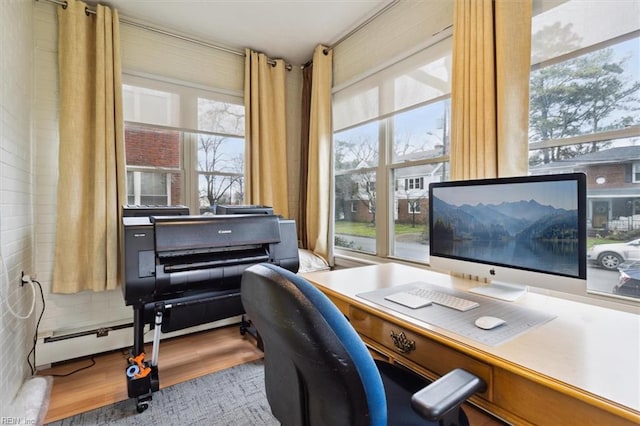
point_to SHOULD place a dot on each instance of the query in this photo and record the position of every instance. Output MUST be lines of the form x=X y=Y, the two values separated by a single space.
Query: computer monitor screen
x=514 y=232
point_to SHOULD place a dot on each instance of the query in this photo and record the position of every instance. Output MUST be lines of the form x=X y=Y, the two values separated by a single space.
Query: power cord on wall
x=25 y=280
x=35 y=334
x=6 y=300
x=33 y=365
x=6 y=276
x=32 y=352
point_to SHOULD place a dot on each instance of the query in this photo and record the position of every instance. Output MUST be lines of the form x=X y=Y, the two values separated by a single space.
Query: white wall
x=146 y=54
x=16 y=186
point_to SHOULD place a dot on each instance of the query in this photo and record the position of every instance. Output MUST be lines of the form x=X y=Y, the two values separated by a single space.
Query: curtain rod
x=124 y=20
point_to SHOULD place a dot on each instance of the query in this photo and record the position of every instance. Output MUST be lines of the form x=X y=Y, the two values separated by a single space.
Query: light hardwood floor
x=180 y=359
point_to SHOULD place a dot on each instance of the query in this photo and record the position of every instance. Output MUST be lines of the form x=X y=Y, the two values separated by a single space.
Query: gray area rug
x=234 y=396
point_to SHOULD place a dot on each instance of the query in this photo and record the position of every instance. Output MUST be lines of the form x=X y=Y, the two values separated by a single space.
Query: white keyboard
x=419 y=297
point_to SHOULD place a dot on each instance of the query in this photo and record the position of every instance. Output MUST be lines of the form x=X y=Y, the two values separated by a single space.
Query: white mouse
x=487 y=323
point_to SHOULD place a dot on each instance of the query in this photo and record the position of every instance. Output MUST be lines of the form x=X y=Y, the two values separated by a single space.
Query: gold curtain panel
x=490 y=88
x=91 y=152
x=265 y=132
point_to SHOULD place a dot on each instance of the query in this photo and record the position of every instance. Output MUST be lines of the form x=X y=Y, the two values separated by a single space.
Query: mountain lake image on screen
x=515 y=232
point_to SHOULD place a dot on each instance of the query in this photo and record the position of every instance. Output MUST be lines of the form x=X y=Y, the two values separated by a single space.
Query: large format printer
x=182 y=271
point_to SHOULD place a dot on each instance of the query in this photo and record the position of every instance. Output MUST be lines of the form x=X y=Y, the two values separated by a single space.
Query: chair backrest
x=317 y=369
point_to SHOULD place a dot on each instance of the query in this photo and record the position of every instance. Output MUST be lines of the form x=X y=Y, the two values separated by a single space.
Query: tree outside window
x=220 y=155
x=585 y=117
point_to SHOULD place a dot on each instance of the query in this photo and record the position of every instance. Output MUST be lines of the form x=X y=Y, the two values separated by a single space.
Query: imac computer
x=512 y=232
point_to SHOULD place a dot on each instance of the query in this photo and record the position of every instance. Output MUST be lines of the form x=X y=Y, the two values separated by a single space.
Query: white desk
x=583 y=367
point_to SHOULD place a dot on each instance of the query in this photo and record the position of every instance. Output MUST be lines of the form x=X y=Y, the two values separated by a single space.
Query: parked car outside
x=610 y=256
x=629 y=281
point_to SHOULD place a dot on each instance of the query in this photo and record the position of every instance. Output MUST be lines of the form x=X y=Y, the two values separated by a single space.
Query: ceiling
x=288 y=29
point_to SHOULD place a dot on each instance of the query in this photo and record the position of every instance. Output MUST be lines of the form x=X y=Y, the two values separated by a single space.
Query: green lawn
x=594 y=241
x=366 y=229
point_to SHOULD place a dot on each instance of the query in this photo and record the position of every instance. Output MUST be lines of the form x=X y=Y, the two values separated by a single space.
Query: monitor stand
x=500 y=290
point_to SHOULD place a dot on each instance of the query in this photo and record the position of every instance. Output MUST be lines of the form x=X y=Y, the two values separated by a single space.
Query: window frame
x=595 y=286
x=187 y=126
x=414 y=183
x=635 y=173
x=382 y=83
x=137 y=172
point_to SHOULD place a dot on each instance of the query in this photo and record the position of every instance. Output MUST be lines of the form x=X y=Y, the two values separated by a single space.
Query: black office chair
x=319 y=372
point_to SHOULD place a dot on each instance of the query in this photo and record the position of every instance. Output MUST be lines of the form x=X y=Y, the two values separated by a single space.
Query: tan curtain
x=319 y=202
x=265 y=132
x=91 y=152
x=490 y=88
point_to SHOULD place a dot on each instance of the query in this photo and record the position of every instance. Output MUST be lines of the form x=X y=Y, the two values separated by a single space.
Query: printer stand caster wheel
x=142 y=406
x=244 y=326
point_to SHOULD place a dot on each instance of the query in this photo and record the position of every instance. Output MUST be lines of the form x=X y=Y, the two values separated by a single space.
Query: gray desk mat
x=519 y=319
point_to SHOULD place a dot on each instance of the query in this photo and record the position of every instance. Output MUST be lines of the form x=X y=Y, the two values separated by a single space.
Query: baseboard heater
x=64 y=345
x=99 y=332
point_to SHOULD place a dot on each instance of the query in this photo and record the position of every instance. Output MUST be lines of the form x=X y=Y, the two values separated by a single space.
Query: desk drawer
x=427 y=353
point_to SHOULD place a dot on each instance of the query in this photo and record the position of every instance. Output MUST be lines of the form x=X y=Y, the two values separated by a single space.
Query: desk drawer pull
x=402 y=344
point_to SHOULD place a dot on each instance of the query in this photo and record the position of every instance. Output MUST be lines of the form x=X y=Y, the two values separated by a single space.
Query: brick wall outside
x=362 y=213
x=616 y=176
x=155 y=148
x=152 y=148
x=420 y=218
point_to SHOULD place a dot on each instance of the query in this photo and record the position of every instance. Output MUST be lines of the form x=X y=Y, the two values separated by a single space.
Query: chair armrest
x=448 y=392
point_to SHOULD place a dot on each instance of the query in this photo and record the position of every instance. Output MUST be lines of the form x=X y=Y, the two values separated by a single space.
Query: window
x=356 y=161
x=220 y=154
x=636 y=172
x=392 y=128
x=150 y=106
x=154 y=171
x=391 y=137
x=145 y=188
x=413 y=206
x=183 y=145
x=585 y=116
x=414 y=183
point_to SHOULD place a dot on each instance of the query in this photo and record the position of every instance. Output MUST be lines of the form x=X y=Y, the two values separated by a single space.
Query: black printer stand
x=175 y=314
